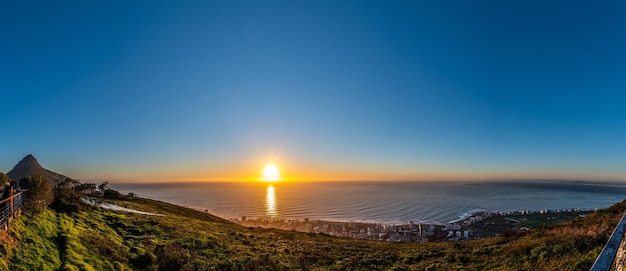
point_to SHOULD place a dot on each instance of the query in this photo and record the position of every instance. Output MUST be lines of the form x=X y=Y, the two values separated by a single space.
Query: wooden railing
x=607 y=259
x=10 y=208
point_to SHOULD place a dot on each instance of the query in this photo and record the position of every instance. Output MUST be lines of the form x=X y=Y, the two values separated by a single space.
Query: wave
x=468 y=214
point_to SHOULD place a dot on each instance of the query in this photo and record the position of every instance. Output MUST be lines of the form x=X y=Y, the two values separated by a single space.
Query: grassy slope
x=190 y=240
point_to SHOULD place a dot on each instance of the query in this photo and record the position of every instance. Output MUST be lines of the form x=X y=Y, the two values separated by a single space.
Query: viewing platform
x=10 y=208
x=613 y=255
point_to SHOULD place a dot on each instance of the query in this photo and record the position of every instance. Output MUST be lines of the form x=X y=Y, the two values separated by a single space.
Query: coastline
x=375 y=203
x=474 y=225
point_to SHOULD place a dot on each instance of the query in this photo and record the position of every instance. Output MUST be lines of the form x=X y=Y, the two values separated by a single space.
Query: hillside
x=29 y=166
x=186 y=239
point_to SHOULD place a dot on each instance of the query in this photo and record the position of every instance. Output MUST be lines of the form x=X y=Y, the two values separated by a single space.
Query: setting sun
x=270 y=173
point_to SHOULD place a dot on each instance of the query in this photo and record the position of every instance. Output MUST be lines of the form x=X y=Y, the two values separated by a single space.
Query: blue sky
x=151 y=90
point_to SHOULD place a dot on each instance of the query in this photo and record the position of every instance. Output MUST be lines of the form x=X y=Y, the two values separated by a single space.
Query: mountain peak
x=29 y=166
x=28 y=161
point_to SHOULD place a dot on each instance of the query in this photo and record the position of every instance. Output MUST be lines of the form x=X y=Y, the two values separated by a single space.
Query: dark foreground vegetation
x=89 y=238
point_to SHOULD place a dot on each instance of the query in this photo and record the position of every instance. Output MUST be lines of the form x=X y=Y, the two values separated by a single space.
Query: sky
x=327 y=90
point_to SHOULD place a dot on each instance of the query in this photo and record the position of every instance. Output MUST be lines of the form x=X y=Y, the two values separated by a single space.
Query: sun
x=270 y=173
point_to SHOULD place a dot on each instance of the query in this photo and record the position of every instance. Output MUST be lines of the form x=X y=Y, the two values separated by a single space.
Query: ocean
x=378 y=202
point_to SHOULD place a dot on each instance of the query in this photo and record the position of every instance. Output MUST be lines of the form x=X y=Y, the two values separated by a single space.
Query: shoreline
x=394 y=204
x=476 y=224
x=464 y=216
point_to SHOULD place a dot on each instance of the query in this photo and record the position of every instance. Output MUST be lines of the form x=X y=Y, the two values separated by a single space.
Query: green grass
x=186 y=239
x=37 y=242
x=532 y=220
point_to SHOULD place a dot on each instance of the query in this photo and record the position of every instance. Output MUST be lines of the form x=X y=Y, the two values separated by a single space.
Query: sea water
x=379 y=202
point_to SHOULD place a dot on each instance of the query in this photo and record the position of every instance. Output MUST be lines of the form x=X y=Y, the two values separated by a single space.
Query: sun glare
x=270 y=173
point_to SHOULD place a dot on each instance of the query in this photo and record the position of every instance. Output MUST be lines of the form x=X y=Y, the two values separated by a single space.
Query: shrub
x=68 y=201
x=144 y=261
x=112 y=194
x=39 y=194
x=4 y=179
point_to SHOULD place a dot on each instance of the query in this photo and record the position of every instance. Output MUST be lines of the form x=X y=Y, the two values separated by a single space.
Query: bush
x=39 y=194
x=4 y=179
x=68 y=201
x=144 y=261
x=112 y=194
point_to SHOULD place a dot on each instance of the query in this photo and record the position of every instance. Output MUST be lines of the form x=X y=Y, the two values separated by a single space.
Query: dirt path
x=117 y=208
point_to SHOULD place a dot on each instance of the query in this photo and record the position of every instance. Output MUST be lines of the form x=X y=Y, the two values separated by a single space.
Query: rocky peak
x=28 y=161
x=29 y=166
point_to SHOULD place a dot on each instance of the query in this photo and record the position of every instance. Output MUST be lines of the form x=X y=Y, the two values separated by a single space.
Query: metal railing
x=607 y=259
x=9 y=208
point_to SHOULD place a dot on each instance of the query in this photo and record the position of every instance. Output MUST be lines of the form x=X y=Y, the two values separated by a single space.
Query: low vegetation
x=39 y=193
x=97 y=239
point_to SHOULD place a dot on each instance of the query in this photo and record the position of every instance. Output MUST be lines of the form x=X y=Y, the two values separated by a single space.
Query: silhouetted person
x=16 y=187
x=6 y=206
x=7 y=191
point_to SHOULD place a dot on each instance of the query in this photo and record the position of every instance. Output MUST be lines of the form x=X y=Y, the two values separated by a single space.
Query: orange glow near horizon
x=271 y=173
x=271 y=169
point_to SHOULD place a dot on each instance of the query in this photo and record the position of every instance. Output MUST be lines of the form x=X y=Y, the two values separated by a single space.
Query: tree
x=39 y=194
x=111 y=194
x=104 y=186
x=67 y=183
x=66 y=200
x=4 y=179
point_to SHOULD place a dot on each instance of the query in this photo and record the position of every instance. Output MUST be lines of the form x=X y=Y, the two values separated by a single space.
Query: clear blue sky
x=153 y=90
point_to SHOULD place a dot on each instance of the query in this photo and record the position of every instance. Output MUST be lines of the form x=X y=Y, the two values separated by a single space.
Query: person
x=7 y=191
x=6 y=206
x=16 y=187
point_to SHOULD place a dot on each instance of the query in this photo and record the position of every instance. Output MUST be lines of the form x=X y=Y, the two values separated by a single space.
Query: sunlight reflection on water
x=270 y=201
